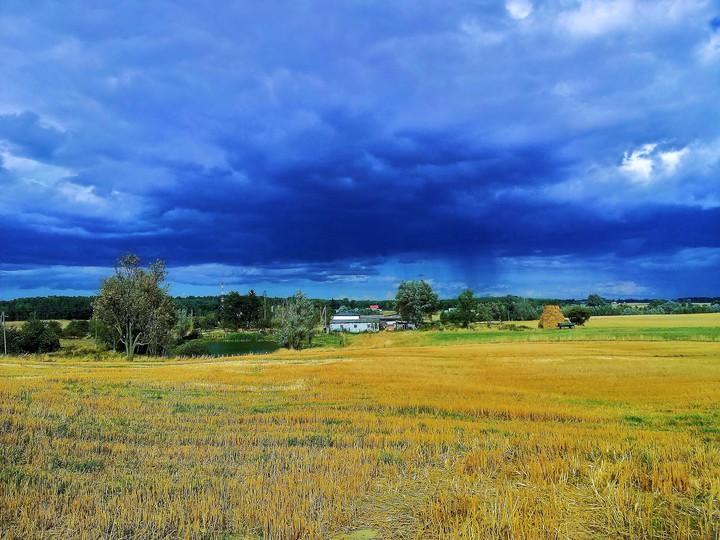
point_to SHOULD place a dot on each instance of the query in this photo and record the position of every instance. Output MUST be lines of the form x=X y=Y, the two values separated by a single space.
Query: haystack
x=551 y=316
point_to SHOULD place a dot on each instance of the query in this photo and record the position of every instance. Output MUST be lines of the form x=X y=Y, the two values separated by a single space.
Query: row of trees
x=469 y=309
x=207 y=311
x=33 y=337
x=47 y=307
x=134 y=313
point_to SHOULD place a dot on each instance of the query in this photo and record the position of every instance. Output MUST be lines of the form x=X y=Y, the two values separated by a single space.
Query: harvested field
x=496 y=440
x=657 y=321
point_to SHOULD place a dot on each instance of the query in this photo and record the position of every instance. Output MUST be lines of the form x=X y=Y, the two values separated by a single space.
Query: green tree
x=251 y=310
x=38 y=337
x=296 y=322
x=232 y=310
x=578 y=315
x=484 y=312
x=76 y=329
x=242 y=311
x=135 y=307
x=184 y=325
x=466 y=308
x=414 y=300
x=595 y=300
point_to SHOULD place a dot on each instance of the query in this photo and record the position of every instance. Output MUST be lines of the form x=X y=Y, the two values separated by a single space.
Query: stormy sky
x=555 y=148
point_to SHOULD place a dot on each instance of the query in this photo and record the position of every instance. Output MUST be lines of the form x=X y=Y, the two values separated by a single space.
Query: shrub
x=76 y=330
x=37 y=337
x=12 y=341
x=578 y=315
x=191 y=348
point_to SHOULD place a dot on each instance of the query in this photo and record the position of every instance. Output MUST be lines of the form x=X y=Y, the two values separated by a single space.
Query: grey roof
x=355 y=321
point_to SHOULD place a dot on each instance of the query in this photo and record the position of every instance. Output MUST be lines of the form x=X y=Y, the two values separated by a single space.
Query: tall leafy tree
x=484 y=312
x=242 y=311
x=296 y=323
x=415 y=299
x=466 y=308
x=133 y=304
x=251 y=310
x=232 y=310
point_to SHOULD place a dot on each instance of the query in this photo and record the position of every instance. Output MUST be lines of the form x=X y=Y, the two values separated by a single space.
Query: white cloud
x=597 y=17
x=519 y=9
x=32 y=171
x=594 y=18
x=709 y=51
x=78 y=194
x=650 y=163
x=39 y=189
x=672 y=158
x=638 y=164
x=620 y=289
x=653 y=173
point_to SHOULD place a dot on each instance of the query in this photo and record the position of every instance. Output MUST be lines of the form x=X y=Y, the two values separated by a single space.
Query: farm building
x=354 y=322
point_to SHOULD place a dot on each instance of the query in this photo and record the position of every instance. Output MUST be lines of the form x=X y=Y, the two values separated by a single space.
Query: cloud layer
x=342 y=148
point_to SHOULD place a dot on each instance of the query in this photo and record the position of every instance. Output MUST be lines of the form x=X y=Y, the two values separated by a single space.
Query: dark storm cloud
x=29 y=136
x=322 y=143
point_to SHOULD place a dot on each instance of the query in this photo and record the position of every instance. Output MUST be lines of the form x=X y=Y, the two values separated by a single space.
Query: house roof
x=355 y=321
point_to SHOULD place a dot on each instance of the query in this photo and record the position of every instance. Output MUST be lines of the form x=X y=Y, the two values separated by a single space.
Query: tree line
x=502 y=307
x=134 y=313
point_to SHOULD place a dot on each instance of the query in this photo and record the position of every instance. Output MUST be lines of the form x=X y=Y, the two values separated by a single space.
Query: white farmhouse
x=353 y=322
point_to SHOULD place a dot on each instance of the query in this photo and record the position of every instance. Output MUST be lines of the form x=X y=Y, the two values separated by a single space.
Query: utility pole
x=222 y=306
x=2 y=321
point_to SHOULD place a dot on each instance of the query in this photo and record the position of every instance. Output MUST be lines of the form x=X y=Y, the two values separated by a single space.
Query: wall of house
x=354 y=327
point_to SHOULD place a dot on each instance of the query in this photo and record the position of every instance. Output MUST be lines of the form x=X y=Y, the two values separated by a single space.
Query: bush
x=12 y=341
x=76 y=330
x=578 y=315
x=34 y=337
x=191 y=348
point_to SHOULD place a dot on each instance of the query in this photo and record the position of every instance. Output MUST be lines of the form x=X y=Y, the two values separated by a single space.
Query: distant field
x=63 y=322
x=656 y=321
x=645 y=321
x=617 y=439
x=703 y=327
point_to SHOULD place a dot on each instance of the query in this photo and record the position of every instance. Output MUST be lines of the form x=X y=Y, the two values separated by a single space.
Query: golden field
x=577 y=439
x=656 y=321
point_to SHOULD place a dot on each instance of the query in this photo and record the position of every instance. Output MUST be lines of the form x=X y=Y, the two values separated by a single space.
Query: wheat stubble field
x=572 y=439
